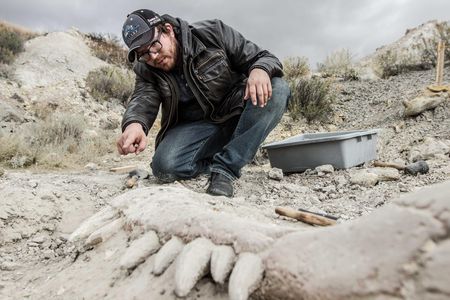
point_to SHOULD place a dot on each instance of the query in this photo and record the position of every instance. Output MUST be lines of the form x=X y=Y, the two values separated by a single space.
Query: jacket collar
x=191 y=45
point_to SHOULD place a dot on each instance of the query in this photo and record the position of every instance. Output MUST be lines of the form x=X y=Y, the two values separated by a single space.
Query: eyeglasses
x=153 y=48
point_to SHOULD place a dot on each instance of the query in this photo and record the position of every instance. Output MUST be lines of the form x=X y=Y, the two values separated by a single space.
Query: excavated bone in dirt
x=139 y=250
x=191 y=265
x=192 y=216
x=167 y=254
x=95 y=222
x=246 y=276
x=104 y=233
x=222 y=261
x=398 y=251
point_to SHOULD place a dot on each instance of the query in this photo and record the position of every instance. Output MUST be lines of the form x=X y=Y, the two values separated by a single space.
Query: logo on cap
x=130 y=30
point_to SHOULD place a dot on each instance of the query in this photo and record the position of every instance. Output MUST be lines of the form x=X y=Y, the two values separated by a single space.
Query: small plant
x=311 y=98
x=389 y=64
x=339 y=64
x=110 y=82
x=295 y=67
x=108 y=48
x=61 y=140
x=12 y=41
x=59 y=129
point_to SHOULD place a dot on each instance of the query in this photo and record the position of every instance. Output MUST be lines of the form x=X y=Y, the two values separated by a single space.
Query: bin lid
x=312 y=138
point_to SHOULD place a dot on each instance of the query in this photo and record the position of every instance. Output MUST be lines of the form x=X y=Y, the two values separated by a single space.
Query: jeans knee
x=281 y=92
x=163 y=168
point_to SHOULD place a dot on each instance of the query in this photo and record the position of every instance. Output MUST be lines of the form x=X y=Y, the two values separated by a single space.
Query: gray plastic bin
x=342 y=149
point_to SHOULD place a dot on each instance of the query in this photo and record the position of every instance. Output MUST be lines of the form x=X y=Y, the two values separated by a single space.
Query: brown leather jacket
x=216 y=62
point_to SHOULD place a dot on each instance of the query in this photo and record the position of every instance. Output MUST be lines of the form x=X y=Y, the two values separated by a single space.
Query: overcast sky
x=285 y=27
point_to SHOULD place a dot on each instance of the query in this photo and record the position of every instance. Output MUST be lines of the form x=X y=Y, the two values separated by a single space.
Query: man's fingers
x=246 y=92
x=266 y=94
x=260 y=94
x=253 y=94
x=141 y=146
x=269 y=89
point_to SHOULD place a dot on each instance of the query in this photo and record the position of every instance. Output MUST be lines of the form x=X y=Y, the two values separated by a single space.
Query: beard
x=170 y=58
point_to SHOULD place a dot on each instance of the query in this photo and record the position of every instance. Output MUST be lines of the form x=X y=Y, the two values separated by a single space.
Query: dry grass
x=339 y=64
x=109 y=49
x=389 y=64
x=60 y=141
x=312 y=99
x=110 y=82
x=295 y=67
x=12 y=39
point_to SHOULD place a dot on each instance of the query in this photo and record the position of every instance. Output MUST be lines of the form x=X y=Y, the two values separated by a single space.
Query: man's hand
x=132 y=140
x=259 y=87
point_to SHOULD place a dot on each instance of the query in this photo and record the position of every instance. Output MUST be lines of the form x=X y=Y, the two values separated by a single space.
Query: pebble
x=91 y=166
x=325 y=169
x=276 y=174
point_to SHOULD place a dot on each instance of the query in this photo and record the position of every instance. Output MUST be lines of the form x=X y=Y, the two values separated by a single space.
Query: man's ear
x=169 y=29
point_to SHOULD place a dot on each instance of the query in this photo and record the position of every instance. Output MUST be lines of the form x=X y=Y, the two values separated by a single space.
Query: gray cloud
x=286 y=27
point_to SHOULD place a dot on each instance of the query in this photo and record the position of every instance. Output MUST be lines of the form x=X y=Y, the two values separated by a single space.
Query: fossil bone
x=191 y=265
x=139 y=250
x=167 y=254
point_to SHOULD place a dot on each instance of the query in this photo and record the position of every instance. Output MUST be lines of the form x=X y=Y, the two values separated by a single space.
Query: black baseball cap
x=139 y=29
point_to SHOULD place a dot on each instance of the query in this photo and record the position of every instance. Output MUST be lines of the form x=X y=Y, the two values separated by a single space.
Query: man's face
x=162 y=51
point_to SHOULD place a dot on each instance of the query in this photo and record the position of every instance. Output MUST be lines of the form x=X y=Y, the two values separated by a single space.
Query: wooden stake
x=440 y=63
x=304 y=216
x=122 y=170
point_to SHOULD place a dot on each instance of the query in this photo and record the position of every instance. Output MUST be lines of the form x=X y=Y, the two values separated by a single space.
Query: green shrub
x=339 y=64
x=295 y=67
x=11 y=43
x=61 y=140
x=59 y=129
x=389 y=63
x=110 y=82
x=311 y=98
x=109 y=49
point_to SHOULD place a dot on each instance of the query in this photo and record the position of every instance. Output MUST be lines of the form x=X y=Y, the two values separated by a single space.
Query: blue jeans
x=190 y=149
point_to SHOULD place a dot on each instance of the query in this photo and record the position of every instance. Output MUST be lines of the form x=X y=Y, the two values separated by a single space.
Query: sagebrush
x=311 y=98
x=110 y=82
x=12 y=42
x=295 y=67
x=61 y=140
x=339 y=64
x=108 y=48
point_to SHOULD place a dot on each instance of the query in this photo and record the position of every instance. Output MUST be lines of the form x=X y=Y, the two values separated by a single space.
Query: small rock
x=47 y=254
x=2 y=172
x=429 y=149
x=39 y=239
x=364 y=178
x=328 y=189
x=385 y=174
x=131 y=182
x=276 y=174
x=325 y=169
x=340 y=180
x=91 y=167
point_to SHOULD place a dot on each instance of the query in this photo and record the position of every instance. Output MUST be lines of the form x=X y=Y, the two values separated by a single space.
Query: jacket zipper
x=174 y=102
x=208 y=60
x=191 y=82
